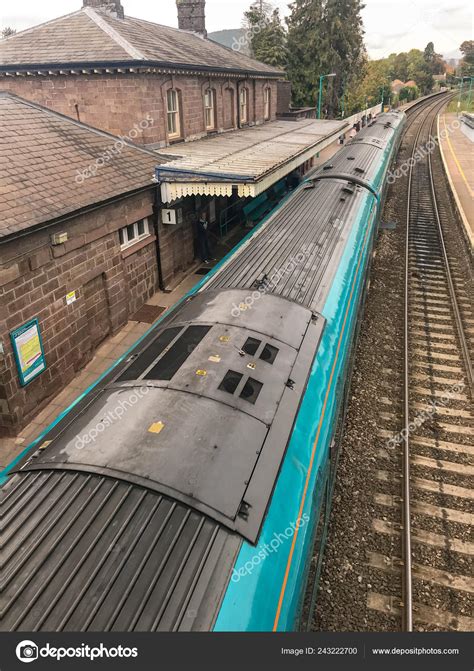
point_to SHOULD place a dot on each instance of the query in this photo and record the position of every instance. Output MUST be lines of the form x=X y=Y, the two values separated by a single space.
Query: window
x=210 y=109
x=134 y=233
x=267 y=103
x=243 y=102
x=174 y=126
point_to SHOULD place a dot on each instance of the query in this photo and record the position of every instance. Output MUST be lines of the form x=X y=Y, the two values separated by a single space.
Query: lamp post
x=343 y=110
x=469 y=95
x=320 y=98
x=461 y=84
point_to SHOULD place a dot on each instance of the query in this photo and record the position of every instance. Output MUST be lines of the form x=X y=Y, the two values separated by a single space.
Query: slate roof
x=91 y=36
x=43 y=154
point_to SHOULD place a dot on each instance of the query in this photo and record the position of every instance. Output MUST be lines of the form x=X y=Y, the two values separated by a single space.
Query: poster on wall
x=28 y=350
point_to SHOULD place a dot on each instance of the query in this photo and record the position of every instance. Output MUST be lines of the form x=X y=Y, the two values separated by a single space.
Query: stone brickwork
x=119 y=103
x=110 y=285
x=192 y=15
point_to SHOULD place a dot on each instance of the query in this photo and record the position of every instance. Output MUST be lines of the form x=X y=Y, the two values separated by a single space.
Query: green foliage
x=267 y=34
x=467 y=63
x=408 y=93
x=305 y=50
x=7 y=32
x=416 y=65
x=324 y=36
x=433 y=60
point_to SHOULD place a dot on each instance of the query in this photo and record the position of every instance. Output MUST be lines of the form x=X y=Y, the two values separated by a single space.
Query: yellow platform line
x=461 y=171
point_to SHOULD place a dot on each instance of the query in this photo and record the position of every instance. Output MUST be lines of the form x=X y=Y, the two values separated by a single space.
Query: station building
x=118 y=133
x=80 y=258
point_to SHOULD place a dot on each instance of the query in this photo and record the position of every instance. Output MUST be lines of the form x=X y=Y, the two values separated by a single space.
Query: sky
x=390 y=25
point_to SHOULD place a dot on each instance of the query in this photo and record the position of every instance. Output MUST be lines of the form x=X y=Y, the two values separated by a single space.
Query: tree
x=369 y=87
x=420 y=71
x=467 y=64
x=343 y=48
x=433 y=60
x=305 y=49
x=324 y=36
x=8 y=32
x=267 y=34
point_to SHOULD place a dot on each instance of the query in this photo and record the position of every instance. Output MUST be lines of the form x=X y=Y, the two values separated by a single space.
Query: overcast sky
x=391 y=25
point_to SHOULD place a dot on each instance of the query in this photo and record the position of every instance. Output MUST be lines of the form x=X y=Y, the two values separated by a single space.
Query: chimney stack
x=192 y=16
x=112 y=7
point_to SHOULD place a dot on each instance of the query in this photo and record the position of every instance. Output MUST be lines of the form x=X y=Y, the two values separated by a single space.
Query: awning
x=249 y=160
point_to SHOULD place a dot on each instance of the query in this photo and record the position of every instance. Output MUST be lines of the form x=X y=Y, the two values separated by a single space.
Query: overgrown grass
x=466 y=104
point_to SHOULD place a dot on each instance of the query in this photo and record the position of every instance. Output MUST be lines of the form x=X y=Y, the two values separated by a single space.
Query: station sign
x=28 y=350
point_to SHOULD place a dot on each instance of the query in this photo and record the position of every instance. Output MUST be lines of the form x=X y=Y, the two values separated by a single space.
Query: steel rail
x=407 y=545
x=452 y=290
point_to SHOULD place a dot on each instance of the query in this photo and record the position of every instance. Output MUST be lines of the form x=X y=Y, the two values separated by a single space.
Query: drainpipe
x=239 y=121
x=156 y=226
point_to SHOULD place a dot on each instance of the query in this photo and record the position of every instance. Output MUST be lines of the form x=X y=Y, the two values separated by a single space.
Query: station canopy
x=249 y=160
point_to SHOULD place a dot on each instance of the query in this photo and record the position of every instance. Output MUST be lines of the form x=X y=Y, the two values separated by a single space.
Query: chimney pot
x=192 y=16
x=113 y=7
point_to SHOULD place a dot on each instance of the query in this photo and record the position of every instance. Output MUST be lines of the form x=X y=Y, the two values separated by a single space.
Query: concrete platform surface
x=457 y=152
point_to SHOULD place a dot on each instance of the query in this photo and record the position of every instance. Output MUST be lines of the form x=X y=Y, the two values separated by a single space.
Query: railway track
x=400 y=549
x=438 y=415
x=435 y=442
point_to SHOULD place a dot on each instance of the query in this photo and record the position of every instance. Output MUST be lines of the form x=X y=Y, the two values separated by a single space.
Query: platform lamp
x=469 y=94
x=320 y=98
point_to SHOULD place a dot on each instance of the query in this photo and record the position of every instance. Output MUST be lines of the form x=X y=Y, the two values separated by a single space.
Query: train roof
x=334 y=193
x=135 y=523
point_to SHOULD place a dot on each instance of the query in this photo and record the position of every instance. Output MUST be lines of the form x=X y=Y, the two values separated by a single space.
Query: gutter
x=136 y=65
x=71 y=215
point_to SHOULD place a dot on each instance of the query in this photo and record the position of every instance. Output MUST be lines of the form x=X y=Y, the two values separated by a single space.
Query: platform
x=457 y=154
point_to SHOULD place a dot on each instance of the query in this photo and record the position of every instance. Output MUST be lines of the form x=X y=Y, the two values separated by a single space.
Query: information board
x=28 y=350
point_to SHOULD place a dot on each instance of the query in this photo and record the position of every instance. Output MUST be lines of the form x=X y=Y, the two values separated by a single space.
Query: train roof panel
x=83 y=552
x=232 y=370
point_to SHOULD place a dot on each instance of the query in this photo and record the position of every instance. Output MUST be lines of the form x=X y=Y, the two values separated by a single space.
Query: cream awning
x=249 y=160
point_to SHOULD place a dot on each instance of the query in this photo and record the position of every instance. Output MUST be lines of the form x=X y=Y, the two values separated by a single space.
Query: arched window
x=173 y=114
x=267 y=103
x=210 y=109
x=244 y=105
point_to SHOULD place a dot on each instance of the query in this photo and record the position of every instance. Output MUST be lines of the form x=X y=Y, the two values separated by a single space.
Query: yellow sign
x=71 y=297
x=157 y=427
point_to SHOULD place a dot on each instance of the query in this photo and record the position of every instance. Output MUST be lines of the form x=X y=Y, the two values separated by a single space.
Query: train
x=190 y=488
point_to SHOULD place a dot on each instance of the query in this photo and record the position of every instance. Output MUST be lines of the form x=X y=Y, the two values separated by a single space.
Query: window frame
x=267 y=103
x=126 y=241
x=244 y=118
x=174 y=114
x=210 y=109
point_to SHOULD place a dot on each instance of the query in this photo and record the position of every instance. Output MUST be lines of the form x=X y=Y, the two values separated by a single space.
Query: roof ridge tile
x=111 y=32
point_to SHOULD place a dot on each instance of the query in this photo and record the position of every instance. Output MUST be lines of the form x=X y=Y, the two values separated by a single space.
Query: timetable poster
x=28 y=350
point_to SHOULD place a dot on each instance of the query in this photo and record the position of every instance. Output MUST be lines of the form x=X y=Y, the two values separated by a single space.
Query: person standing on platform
x=203 y=238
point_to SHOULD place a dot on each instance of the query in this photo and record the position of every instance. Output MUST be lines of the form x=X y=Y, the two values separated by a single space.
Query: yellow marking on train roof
x=157 y=427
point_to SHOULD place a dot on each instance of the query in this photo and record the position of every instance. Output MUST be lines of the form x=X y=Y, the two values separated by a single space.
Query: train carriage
x=190 y=488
